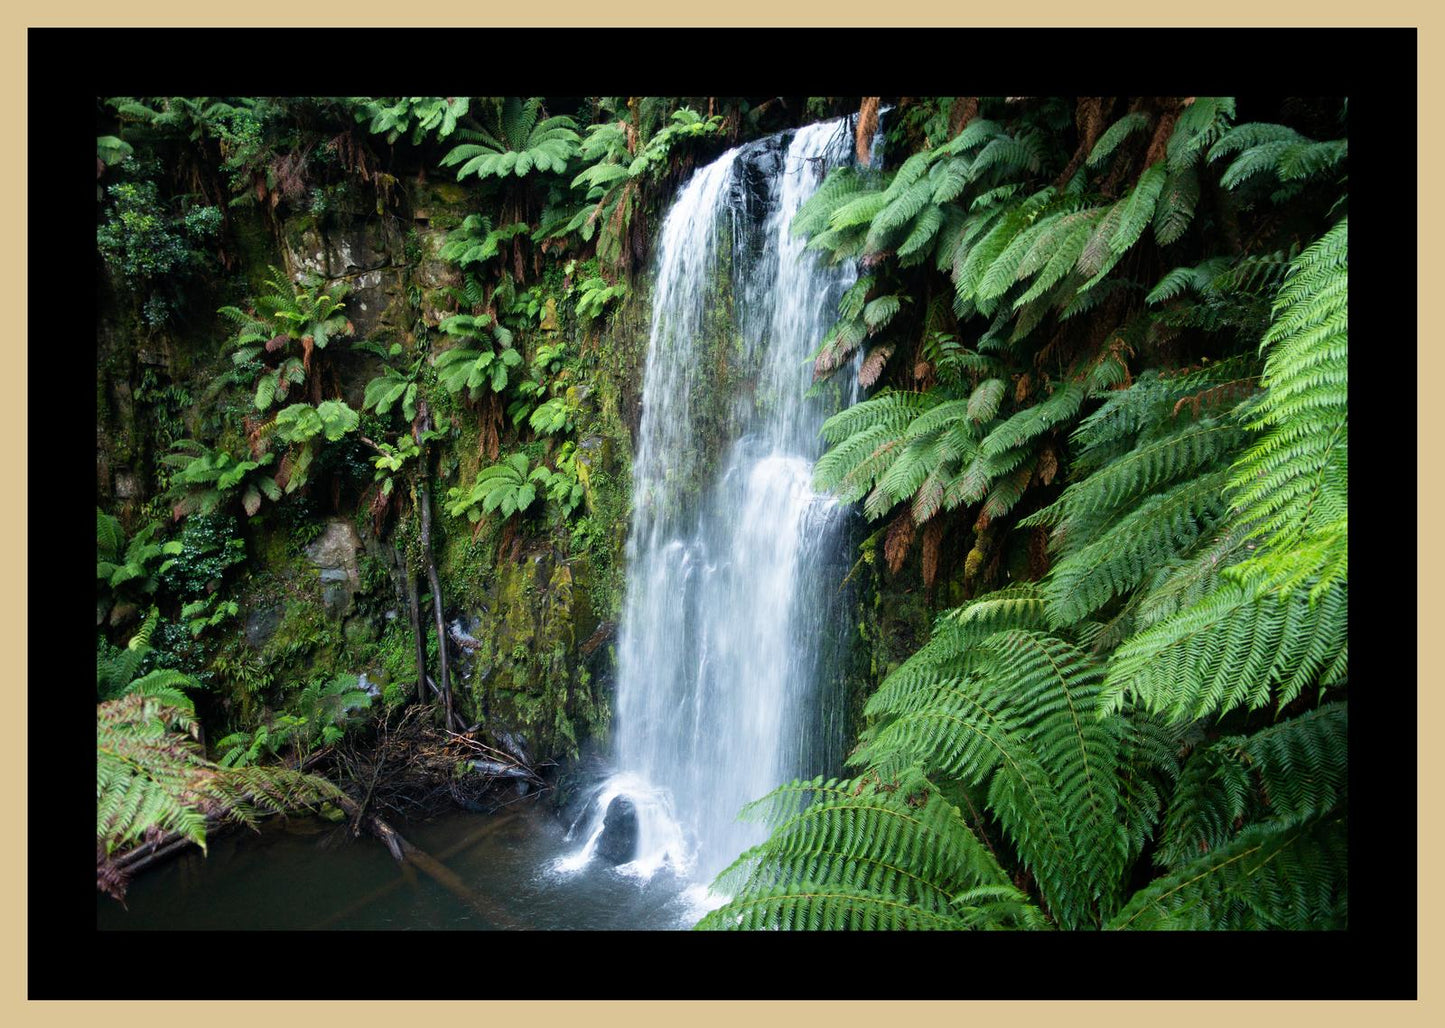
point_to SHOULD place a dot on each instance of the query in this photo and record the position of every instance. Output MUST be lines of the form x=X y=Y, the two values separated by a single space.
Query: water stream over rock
x=731 y=555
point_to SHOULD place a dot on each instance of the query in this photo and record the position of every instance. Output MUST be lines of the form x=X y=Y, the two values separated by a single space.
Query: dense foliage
x=1125 y=388
x=1102 y=344
x=255 y=402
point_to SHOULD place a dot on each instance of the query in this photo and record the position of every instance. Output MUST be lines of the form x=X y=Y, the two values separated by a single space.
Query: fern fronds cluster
x=867 y=853
x=518 y=143
x=1165 y=704
x=152 y=779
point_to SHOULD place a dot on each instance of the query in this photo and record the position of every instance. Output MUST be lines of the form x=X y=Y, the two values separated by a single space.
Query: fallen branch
x=404 y=852
x=409 y=877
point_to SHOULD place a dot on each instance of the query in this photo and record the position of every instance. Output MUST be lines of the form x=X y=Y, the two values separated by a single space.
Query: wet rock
x=336 y=599
x=261 y=625
x=333 y=554
x=334 y=551
x=618 y=842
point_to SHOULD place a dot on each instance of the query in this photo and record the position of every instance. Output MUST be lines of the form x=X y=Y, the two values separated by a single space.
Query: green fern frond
x=1007 y=268
x=1287 y=773
x=1097 y=258
x=867 y=854
x=1249 y=135
x=1032 y=422
x=1268 y=877
x=974 y=259
x=1064 y=246
x=1004 y=154
x=813 y=907
x=1185 y=580
x=1138 y=207
x=924 y=230
x=1106 y=489
x=1023 y=720
x=814 y=215
x=898 y=210
x=1097 y=567
x=1294 y=480
x=1234 y=648
x=1198 y=127
x=1134 y=121
x=879 y=312
x=109 y=536
x=1175 y=210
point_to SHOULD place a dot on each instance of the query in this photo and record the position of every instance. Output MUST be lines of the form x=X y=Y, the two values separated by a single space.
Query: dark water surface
x=307 y=874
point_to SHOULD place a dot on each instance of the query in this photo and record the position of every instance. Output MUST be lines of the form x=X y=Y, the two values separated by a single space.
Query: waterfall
x=732 y=560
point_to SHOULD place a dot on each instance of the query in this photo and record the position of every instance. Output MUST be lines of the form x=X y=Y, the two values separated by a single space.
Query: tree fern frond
x=1032 y=422
x=1288 y=773
x=1198 y=127
x=1186 y=452
x=1138 y=207
x=1267 y=878
x=1234 y=648
x=860 y=209
x=899 y=210
x=816 y=211
x=924 y=230
x=1184 y=581
x=866 y=853
x=825 y=908
x=1134 y=121
x=971 y=263
x=1096 y=567
x=1064 y=249
x=1022 y=720
x=1175 y=210
x=1294 y=479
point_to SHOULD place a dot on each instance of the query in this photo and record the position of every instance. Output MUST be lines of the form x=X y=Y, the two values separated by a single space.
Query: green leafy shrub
x=144 y=241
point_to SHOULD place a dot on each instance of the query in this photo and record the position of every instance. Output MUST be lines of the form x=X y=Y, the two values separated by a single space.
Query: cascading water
x=732 y=555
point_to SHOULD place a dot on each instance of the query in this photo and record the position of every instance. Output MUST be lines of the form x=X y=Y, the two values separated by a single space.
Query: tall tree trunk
x=423 y=424
x=413 y=610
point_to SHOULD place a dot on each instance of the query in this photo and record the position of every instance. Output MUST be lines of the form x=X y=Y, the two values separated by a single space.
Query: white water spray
x=732 y=556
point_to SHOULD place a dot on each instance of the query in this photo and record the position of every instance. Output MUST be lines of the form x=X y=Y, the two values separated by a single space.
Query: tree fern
x=506 y=486
x=476 y=369
x=1234 y=648
x=1288 y=773
x=866 y=854
x=1293 y=480
x=418 y=116
x=1016 y=714
x=1268 y=877
x=521 y=145
x=1198 y=550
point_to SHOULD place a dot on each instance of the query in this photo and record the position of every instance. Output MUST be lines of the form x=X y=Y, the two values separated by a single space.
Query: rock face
x=261 y=625
x=334 y=554
x=519 y=657
x=618 y=843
